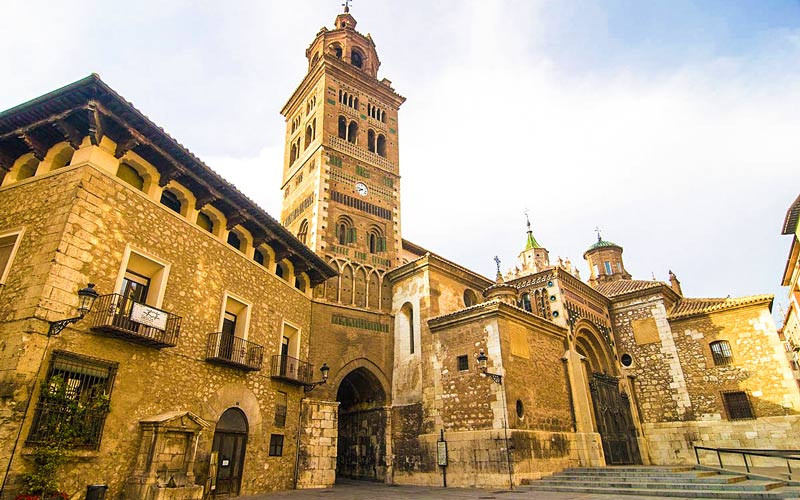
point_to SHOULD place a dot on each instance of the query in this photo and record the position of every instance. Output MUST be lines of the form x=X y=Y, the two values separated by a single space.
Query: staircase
x=686 y=482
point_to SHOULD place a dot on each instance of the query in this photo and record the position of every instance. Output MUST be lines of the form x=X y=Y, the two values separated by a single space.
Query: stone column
x=319 y=432
x=588 y=443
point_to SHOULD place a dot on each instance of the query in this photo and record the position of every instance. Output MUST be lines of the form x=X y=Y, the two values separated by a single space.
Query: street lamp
x=498 y=379
x=325 y=369
x=482 y=359
x=86 y=298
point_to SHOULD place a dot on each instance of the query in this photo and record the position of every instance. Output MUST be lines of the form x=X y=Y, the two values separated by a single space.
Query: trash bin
x=96 y=491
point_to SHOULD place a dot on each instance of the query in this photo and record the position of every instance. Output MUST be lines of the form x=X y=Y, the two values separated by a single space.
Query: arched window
x=341 y=233
x=258 y=256
x=234 y=240
x=315 y=59
x=352 y=132
x=342 y=127
x=302 y=233
x=721 y=352
x=281 y=271
x=371 y=140
x=525 y=302
x=470 y=299
x=204 y=221
x=309 y=136
x=337 y=51
x=300 y=283
x=356 y=58
x=28 y=169
x=293 y=154
x=350 y=101
x=355 y=103
x=373 y=243
x=383 y=116
x=131 y=176
x=171 y=201
x=63 y=158
x=381 y=147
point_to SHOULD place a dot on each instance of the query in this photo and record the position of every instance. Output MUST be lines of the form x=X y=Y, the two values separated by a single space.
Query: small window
x=596 y=270
x=78 y=389
x=737 y=405
x=607 y=265
x=281 y=271
x=470 y=299
x=356 y=59
x=721 y=352
x=381 y=145
x=626 y=360
x=463 y=363
x=276 y=445
x=280 y=409
x=142 y=281
x=205 y=222
x=131 y=176
x=258 y=256
x=337 y=51
x=520 y=409
x=8 y=247
x=302 y=233
x=28 y=169
x=525 y=302
x=234 y=240
x=171 y=201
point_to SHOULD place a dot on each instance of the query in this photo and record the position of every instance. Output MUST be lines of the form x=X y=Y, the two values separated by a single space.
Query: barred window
x=463 y=362
x=737 y=405
x=280 y=409
x=721 y=352
x=276 y=445
x=74 y=400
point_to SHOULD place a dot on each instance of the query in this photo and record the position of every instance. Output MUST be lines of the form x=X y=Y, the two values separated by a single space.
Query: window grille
x=721 y=352
x=276 y=445
x=463 y=363
x=737 y=405
x=73 y=401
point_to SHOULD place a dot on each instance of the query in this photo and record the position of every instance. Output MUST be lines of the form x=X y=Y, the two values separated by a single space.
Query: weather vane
x=346 y=5
x=527 y=219
x=597 y=230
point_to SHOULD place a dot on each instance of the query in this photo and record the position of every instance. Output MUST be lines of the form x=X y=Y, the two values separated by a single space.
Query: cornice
x=495 y=308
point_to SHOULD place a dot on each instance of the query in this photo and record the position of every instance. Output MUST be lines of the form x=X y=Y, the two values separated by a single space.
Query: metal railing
x=134 y=321
x=749 y=465
x=234 y=351
x=291 y=369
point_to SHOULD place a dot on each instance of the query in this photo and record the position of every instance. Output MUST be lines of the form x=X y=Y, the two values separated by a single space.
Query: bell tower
x=341 y=182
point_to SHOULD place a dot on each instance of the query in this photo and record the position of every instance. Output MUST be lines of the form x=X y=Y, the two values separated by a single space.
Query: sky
x=671 y=125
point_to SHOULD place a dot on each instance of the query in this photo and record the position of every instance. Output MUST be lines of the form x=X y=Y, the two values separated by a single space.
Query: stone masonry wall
x=317 y=460
x=108 y=214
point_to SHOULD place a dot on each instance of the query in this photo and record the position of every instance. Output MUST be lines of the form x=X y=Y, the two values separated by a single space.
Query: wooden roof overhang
x=91 y=108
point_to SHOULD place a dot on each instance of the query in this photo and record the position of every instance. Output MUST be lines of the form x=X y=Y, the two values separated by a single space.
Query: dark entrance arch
x=362 y=427
x=230 y=439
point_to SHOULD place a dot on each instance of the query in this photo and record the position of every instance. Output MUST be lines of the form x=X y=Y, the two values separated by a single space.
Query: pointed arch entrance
x=363 y=421
x=230 y=439
x=612 y=412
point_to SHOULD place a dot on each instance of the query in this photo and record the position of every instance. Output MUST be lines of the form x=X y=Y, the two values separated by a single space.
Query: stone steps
x=684 y=482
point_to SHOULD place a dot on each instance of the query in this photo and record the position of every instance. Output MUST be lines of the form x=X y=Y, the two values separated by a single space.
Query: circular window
x=520 y=409
x=626 y=360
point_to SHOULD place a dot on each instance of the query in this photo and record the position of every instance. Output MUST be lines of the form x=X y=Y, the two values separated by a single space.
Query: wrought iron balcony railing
x=291 y=370
x=233 y=351
x=122 y=317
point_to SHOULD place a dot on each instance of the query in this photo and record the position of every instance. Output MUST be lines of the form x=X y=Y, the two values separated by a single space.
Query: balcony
x=291 y=370
x=234 y=351
x=361 y=153
x=122 y=317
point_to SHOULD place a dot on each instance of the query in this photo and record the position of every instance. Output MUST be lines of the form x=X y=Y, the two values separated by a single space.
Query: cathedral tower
x=341 y=183
x=534 y=258
x=605 y=262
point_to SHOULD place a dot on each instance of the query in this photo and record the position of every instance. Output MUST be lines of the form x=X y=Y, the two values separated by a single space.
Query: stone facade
x=614 y=371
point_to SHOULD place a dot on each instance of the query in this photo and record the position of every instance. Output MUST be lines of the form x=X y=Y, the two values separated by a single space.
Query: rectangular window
x=74 y=400
x=142 y=279
x=607 y=265
x=280 y=409
x=737 y=405
x=463 y=363
x=276 y=445
x=596 y=270
x=8 y=248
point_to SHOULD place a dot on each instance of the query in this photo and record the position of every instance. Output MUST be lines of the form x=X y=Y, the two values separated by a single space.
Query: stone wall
x=102 y=217
x=317 y=459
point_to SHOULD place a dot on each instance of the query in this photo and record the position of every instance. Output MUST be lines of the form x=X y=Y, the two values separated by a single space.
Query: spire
x=674 y=283
x=531 y=243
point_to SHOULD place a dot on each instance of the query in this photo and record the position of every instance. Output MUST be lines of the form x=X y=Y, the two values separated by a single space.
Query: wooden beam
x=36 y=146
x=96 y=131
x=125 y=145
x=205 y=200
x=165 y=177
x=235 y=219
x=70 y=133
x=6 y=161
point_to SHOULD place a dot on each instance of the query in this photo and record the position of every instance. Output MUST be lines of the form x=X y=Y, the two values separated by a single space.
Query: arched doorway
x=612 y=411
x=362 y=427
x=230 y=439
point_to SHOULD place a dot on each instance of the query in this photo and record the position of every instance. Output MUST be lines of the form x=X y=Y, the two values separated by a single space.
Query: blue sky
x=671 y=125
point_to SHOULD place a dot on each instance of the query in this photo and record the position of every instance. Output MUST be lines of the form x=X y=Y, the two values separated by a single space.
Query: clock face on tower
x=361 y=189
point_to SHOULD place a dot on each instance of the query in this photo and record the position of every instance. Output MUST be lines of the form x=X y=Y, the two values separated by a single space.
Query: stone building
x=214 y=319
x=790 y=331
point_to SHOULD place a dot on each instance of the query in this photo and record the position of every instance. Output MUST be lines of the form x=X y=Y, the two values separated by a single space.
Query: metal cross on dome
x=597 y=230
x=497 y=261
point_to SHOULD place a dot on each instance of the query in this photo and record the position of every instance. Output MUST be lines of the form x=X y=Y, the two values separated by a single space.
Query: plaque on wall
x=441 y=453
